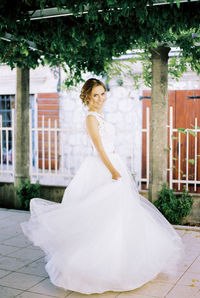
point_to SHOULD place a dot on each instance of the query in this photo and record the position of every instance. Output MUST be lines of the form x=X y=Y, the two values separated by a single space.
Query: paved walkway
x=22 y=272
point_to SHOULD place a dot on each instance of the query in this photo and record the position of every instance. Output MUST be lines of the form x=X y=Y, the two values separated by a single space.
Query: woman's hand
x=115 y=175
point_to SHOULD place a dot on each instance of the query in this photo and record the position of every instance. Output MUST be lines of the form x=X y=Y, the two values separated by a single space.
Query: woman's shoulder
x=95 y=114
x=92 y=115
x=91 y=118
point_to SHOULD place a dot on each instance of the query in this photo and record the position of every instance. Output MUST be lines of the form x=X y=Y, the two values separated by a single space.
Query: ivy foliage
x=173 y=207
x=88 y=40
x=127 y=70
x=25 y=191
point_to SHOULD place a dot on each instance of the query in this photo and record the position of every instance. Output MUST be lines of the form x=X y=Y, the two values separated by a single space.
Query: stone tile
x=189 y=258
x=190 y=254
x=183 y=266
x=4 y=273
x=182 y=292
x=34 y=247
x=6 y=222
x=4 y=214
x=198 y=258
x=166 y=278
x=19 y=241
x=194 y=236
x=26 y=259
x=180 y=232
x=195 y=267
x=12 y=264
x=106 y=294
x=20 y=281
x=156 y=289
x=47 y=288
x=36 y=268
x=188 y=232
x=11 y=233
x=109 y=294
x=5 y=210
x=32 y=295
x=196 y=251
x=42 y=260
x=197 y=295
x=132 y=294
x=8 y=292
x=191 y=244
x=13 y=230
x=190 y=279
x=7 y=249
x=197 y=237
x=3 y=237
x=27 y=253
x=20 y=216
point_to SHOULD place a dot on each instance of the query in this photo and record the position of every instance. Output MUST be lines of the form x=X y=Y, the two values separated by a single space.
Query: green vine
x=95 y=32
x=26 y=191
x=173 y=207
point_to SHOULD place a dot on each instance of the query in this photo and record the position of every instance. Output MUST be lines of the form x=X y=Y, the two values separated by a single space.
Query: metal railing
x=53 y=162
x=146 y=133
x=183 y=166
x=51 y=158
x=186 y=163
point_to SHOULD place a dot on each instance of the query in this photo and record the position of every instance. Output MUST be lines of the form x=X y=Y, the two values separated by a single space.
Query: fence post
x=147 y=145
x=171 y=147
x=1 y=143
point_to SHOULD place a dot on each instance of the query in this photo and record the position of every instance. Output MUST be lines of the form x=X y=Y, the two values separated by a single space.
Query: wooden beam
x=54 y=12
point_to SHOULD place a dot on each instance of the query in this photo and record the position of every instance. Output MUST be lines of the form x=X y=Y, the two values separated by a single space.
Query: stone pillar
x=21 y=146
x=159 y=121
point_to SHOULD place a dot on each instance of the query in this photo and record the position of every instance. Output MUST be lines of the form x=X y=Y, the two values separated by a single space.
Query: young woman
x=104 y=236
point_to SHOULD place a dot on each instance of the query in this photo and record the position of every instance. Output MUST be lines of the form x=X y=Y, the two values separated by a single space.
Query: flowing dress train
x=103 y=236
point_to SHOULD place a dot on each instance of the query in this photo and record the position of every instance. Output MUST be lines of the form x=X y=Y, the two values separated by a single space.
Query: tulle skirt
x=103 y=236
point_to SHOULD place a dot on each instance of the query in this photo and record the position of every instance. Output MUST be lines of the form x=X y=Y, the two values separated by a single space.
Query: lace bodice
x=106 y=131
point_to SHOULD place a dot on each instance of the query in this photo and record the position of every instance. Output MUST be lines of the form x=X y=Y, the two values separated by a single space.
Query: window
x=6 y=121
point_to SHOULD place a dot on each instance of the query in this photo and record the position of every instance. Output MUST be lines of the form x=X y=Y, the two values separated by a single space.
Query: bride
x=103 y=236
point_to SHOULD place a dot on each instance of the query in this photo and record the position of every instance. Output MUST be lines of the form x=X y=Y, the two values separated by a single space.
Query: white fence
x=146 y=132
x=7 y=159
x=177 y=175
x=190 y=160
x=57 y=152
x=53 y=162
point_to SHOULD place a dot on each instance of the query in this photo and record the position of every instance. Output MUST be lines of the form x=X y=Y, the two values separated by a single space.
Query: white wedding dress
x=104 y=235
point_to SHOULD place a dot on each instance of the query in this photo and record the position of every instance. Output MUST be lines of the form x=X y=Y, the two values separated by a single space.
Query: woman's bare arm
x=92 y=126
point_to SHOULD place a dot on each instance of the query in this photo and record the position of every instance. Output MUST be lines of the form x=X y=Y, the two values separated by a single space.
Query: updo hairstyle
x=87 y=89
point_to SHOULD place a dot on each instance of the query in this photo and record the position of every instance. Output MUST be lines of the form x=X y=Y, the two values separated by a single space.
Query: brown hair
x=87 y=89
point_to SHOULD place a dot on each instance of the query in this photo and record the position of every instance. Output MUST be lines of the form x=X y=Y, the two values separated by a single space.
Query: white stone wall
x=122 y=108
x=41 y=80
x=189 y=81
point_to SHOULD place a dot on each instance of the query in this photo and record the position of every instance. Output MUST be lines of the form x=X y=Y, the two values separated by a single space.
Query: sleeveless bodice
x=106 y=131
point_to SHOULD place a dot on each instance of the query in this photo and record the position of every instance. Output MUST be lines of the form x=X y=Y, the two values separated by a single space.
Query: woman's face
x=97 y=98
